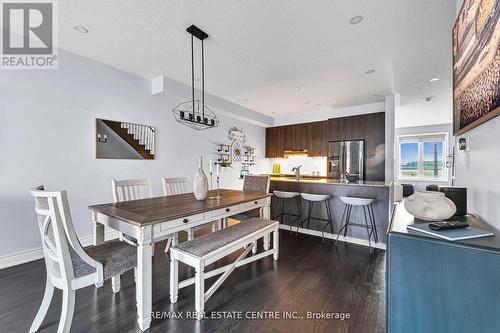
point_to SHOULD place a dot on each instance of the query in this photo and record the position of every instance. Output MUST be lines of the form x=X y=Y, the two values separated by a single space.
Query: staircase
x=140 y=137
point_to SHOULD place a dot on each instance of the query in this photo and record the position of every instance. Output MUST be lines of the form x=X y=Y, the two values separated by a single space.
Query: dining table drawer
x=225 y=211
x=255 y=203
x=182 y=221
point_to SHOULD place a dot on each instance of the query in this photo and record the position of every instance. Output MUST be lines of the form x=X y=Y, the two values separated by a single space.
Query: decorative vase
x=430 y=206
x=200 y=182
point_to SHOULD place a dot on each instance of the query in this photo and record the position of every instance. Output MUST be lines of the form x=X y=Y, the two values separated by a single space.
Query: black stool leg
x=329 y=221
x=306 y=219
x=349 y=210
x=330 y=218
x=309 y=212
x=276 y=205
x=341 y=221
x=299 y=217
x=367 y=229
x=282 y=215
x=372 y=218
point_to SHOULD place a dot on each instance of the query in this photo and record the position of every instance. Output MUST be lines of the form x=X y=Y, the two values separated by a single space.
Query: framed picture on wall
x=476 y=64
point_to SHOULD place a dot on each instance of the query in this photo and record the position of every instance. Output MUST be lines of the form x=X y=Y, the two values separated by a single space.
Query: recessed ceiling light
x=428 y=99
x=298 y=88
x=370 y=71
x=356 y=20
x=307 y=102
x=274 y=112
x=318 y=104
x=81 y=29
x=434 y=79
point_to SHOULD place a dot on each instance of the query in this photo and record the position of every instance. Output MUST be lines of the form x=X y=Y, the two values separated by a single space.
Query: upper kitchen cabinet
x=312 y=137
x=346 y=128
x=318 y=142
x=355 y=128
x=336 y=129
x=275 y=142
x=374 y=128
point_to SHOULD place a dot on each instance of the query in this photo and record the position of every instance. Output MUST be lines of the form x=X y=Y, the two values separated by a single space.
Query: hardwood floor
x=309 y=276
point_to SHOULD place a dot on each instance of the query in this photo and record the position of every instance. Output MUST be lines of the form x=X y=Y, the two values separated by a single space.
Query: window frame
x=420 y=139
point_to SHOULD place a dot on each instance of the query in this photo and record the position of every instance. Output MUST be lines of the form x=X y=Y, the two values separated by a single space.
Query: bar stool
x=282 y=196
x=317 y=199
x=366 y=204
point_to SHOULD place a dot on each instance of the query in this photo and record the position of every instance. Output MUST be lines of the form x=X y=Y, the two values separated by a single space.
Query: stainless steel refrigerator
x=346 y=156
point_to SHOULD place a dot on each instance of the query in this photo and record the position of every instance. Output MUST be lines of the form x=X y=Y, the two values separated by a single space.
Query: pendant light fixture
x=195 y=113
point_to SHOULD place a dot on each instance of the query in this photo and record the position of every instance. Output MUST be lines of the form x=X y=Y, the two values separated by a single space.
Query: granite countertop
x=328 y=181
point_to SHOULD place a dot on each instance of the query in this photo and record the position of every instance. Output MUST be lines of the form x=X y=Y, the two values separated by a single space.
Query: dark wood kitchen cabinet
x=336 y=129
x=308 y=136
x=374 y=132
x=346 y=128
x=314 y=138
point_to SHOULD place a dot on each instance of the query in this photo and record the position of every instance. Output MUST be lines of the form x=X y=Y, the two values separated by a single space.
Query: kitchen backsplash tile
x=309 y=164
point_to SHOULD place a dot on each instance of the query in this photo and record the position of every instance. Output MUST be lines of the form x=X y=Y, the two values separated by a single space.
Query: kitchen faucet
x=297 y=172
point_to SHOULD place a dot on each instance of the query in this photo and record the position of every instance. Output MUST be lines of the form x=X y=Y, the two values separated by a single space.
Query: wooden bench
x=205 y=250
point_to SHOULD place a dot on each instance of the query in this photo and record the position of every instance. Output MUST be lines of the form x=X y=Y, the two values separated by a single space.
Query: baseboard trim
x=22 y=257
x=328 y=235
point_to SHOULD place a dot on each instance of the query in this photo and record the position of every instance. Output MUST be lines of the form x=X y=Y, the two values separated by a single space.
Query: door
x=354 y=158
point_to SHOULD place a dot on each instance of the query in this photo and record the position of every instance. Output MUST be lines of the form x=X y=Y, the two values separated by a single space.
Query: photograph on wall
x=476 y=64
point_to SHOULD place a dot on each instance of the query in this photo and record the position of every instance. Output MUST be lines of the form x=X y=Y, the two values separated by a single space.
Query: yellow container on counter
x=276 y=169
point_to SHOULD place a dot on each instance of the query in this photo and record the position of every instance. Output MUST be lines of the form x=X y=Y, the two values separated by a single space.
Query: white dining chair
x=174 y=186
x=70 y=266
x=132 y=189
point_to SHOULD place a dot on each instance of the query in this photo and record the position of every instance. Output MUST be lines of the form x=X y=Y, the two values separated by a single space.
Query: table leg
x=174 y=279
x=199 y=297
x=144 y=280
x=276 y=244
x=98 y=237
x=98 y=230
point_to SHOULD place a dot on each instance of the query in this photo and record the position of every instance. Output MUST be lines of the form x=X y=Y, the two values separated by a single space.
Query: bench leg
x=115 y=283
x=174 y=280
x=199 y=301
x=276 y=245
x=190 y=234
x=267 y=240
x=254 y=248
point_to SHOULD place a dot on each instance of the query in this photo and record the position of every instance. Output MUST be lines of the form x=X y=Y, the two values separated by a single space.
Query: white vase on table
x=430 y=206
x=200 y=182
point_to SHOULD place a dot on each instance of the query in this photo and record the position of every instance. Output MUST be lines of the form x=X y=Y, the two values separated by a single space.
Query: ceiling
x=276 y=57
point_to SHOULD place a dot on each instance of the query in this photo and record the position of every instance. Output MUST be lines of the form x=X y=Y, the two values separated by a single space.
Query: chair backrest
x=178 y=185
x=253 y=183
x=131 y=189
x=59 y=240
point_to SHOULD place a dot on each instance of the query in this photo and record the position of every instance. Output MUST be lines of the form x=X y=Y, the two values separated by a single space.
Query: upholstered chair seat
x=116 y=258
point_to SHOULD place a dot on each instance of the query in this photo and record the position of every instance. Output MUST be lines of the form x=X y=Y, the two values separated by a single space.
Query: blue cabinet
x=440 y=286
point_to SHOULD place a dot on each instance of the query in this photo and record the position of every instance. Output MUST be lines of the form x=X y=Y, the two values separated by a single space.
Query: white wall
x=324 y=115
x=419 y=113
x=478 y=170
x=47 y=137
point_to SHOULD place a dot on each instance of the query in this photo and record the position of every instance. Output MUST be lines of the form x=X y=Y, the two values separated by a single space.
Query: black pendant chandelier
x=195 y=113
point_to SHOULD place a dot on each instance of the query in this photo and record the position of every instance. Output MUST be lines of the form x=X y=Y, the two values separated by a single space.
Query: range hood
x=295 y=153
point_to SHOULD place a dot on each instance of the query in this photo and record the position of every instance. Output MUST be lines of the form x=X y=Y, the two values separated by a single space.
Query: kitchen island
x=378 y=190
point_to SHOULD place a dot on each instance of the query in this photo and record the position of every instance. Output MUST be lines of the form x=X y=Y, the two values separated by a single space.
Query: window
x=423 y=157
